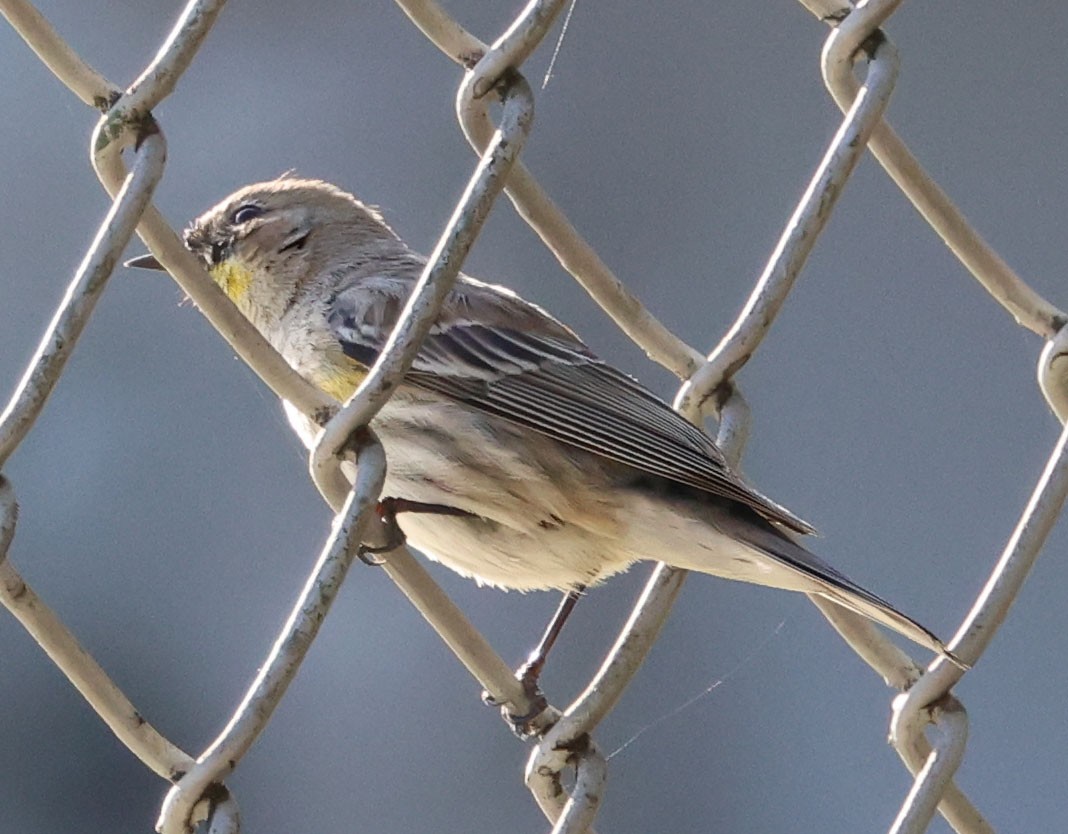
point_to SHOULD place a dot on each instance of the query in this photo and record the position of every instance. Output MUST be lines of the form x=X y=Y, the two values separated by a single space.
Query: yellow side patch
x=234 y=279
x=340 y=379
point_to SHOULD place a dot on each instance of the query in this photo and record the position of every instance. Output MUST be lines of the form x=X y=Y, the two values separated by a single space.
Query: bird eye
x=245 y=213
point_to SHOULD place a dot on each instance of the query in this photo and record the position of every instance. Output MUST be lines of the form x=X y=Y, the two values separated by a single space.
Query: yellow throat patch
x=335 y=373
x=234 y=278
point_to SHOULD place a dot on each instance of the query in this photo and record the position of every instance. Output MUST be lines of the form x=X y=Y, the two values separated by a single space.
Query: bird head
x=265 y=240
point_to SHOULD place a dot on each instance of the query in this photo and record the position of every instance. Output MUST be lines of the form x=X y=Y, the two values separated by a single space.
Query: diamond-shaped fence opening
x=166 y=522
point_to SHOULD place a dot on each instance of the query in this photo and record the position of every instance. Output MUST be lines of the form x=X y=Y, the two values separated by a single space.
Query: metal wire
x=857 y=44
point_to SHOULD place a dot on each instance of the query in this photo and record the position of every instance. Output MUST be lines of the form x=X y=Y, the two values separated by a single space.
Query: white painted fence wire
x=860 y=65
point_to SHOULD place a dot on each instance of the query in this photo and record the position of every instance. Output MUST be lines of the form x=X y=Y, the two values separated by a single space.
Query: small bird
x=551 y=469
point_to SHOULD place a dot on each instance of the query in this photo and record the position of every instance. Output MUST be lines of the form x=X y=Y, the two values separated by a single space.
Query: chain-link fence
x=880 y=351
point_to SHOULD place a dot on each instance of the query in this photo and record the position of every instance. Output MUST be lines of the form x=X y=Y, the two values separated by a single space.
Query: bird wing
x=503 y=356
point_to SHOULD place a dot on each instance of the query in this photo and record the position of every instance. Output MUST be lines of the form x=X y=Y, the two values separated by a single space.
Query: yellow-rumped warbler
x=565 y=470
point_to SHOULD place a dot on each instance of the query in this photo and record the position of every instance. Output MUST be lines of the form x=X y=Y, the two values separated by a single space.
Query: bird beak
x=144 y=262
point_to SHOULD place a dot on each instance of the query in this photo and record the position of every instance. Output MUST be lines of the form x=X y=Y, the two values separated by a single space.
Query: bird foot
x=387 y=510
x=524 y=725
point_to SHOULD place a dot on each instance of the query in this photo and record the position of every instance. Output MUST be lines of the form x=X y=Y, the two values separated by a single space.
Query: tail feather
x=831 y=583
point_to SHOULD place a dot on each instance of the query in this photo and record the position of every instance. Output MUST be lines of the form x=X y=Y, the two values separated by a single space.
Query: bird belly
x=503 y=557
x=535 y=521
x=540 y=516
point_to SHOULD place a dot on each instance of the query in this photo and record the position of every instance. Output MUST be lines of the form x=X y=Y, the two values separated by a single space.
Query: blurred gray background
x=167 y=516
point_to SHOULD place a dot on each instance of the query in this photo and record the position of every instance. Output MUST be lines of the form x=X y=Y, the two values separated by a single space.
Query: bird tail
x=825 y=580
x=723 y=538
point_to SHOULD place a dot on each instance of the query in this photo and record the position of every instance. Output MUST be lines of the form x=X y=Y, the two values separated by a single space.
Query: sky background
x=167 y=516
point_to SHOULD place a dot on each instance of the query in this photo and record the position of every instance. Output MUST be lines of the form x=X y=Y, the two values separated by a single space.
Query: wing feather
x=544 y=378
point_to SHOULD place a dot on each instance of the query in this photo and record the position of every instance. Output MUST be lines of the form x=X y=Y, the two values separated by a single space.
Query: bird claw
x=523 y=725
x=388 y=509
x=366 y=554
x=394 y=536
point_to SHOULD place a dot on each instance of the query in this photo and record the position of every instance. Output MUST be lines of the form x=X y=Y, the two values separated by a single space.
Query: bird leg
x=529 y=673
x=388 y=508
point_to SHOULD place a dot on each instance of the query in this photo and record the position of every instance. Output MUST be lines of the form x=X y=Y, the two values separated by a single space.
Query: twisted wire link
x=127 y=123
x=1026 y=306
x=18 y=418
x=179 y=812
x=926 y=706
x=131 y=193
x=705 y=383
x=856 y=32
x=544 y=217
x=400 y=350
x=197 y=794
x=929 y=703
